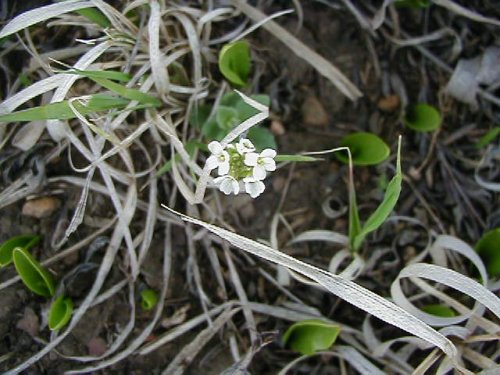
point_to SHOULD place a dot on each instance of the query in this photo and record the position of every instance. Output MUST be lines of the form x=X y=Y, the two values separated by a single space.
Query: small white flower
x=227 y=184
x=218 y=159
x=254 y=187
x=261 y=162
x=245 y=146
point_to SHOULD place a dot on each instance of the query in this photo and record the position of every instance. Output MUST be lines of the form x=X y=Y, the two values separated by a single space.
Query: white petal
x=268 y=153
x=259 y=172
x=215 y=147
x=269 y=164
x=254 y=188
x=226 y=186
x=235 y=186
x=223 y=168
x=212 y=162
x=251 y=159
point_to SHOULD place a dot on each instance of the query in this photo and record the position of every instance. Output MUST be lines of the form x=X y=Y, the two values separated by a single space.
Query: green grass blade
x=125 y=92
x=298 y=158
x=62 y=110
x=96 y=16
x=107 y=74
x=385 y=208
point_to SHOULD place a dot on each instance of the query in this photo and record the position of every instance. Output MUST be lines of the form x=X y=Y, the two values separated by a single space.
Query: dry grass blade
x=322 y=65
x=40 y=14
x=462 y=11
x=187 y=354
x=347 y=290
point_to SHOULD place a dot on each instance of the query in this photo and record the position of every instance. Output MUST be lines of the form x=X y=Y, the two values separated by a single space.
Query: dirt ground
x=439 y=190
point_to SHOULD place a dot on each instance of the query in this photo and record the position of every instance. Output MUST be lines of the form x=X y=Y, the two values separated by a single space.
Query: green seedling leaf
x=125 y=92
x=60 y=312
x=106 y=74
x=149 y=299
x=488 y=248
x=262 y=138
x=488 y=137
x=423 y=118
x=415 y=4
x=298 y=158
x=366 y=149
x=246 y=111
x=62 y=110
x=385 y=208
x=199 y=115
x=7 y=248
x=36 y=278
x=310 y=336
x=439 y=310
x=234 y=62
x=96 y=16
x=211 y=130
x=227 y=118
x=230 y=99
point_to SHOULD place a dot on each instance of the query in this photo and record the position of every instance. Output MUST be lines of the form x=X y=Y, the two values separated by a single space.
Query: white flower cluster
x=240 y=167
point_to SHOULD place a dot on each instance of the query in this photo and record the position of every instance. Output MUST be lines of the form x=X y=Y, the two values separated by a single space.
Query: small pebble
x=29 y=323
x=389 y=103
x=277 y=128
x=313 y=113
x=97 y=346
x=40 y=208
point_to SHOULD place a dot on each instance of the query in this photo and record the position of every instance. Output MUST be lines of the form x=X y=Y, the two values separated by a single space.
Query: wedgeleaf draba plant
x=357 y=231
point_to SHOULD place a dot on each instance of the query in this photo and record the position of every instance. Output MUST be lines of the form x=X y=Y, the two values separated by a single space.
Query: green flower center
x=237 y=167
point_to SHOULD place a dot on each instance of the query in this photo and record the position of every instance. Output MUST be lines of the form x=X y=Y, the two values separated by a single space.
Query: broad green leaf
x=439 y=310
x=235 y=63
x=212 y=131
x=246 y=111
x=149 y=299
x=199 y=115
x=366 y=149
x=227 y=118
x=96 y=16
x=416 y=4
x=310 y=336
x=297 y=158
x=488 y=248
x=230 y=99
x=125 y=92
x=36 y=278
x=488 y=137
x=60 y=312
x=7 y=248
x=423 y=118
x=62 y=110
x=262 y=138
x=385 y=208
x=106 y=74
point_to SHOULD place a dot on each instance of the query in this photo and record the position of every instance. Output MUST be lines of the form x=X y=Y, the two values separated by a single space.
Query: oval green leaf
x=234 y=62
x=36 y=278
x=262 y=138
x=227 y=118
x=488 y=248
x=439 y=310
x=149 y=299
x=309 y=336
x=60 y=312
x=366 y=149
x=7 y=248
x=423 y=118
